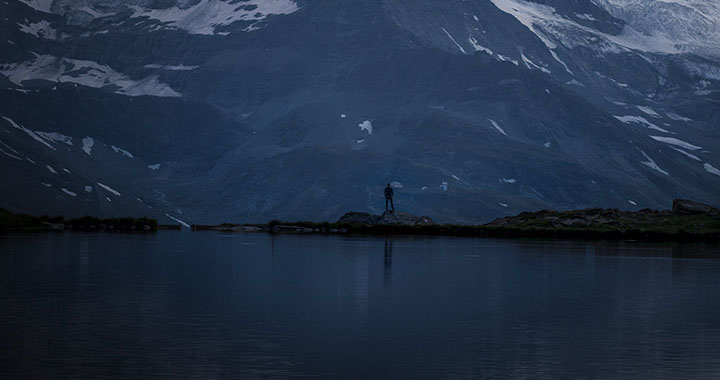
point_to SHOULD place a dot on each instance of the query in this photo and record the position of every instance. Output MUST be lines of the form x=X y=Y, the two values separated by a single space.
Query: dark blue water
x=179 y=305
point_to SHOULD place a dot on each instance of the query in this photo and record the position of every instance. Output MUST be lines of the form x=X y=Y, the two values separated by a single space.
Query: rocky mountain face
x=212 y=110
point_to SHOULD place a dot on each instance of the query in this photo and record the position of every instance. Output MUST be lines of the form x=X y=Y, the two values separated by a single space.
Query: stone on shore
x=394 y=218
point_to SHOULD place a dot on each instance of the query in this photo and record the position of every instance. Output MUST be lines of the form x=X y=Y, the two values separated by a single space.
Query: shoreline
x=687 y=221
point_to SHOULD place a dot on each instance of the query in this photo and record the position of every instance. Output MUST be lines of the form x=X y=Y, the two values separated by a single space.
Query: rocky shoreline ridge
x=687 y=220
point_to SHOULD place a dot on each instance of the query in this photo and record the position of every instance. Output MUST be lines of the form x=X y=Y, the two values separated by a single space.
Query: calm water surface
x=177 y=305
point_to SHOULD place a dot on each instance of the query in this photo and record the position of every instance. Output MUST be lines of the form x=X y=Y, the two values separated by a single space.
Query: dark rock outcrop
x=396 y=218
x=688 y=207
x=359 y=218
x=592 y=218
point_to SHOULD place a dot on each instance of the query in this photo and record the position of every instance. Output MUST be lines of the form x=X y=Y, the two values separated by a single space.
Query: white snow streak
x=676 y=142
x=711 y=169
x=122 y=151
x=640 y=120
x=178 y=220
x=453 y=40
x=108 y=188
x=497 y=127
x=651 y=163
x=29 y=132
x=68 y=192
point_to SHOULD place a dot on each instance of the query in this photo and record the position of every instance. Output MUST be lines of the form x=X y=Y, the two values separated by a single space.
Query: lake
x=207 y=305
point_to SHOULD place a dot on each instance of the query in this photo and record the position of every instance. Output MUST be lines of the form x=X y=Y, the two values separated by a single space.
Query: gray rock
x=359 y=218
x=688 y=207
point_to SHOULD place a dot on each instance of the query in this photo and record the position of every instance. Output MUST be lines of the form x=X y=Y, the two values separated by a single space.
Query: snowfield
x=86 y=73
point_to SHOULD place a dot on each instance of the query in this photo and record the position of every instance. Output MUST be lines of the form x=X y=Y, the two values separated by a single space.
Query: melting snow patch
x=88 y=143
x=676 y=142
x=122 y=151
x=68 y=192
x=711 y=169
x=178 y=220
x=50 y=169
x=108 y=199
x=530 y=64
x=171 y=67
x=40 y=29
x=547 y=145
x=66 y=171
x=342 y=116
x=207 y=15
x=479 y=47
x=677 y=117
x=651 y=163
x=39 y=5
x=86 y=73
x=508 y=180
x=640 y=120
x=29 y=132
x=46 y=184
x=632 y=202
x=10 y=154
x=55 y=137
x=366 y=126
x=648 y=111
x=455 y=177
x=360 y=141
x=453 y=40
x=497 y=127
x=108 y=188
x=503 y=204
x=689 y=155
x=154 y=167
x=396 y=184
x=88 y=189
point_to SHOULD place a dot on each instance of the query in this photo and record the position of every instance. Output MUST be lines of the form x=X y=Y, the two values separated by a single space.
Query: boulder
x=359 y=218
x=399 y=218
x=404 y=218
x=688 y=207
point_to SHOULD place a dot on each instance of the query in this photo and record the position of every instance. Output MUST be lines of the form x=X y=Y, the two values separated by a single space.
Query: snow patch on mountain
x=497 y=127
x=29 y=132
x=206 y=16
x=652 y=164
x=122 y=151
x=553 y=29
x=86 y=73
x=55 y=137
x=676 y=142
x=41 y=29
x=711 y=169
x=640 y=120
x=686 y=154
x=692 y=24
x=39 y=5
x=88 y=143
x=108 y=188
x=171 y=67
x=366 y=126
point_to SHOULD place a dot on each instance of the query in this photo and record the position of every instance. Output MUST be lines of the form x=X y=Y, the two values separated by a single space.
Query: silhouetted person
x=389 y=198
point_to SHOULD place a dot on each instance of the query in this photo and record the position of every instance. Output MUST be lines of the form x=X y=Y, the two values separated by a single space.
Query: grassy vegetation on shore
x=28 y=223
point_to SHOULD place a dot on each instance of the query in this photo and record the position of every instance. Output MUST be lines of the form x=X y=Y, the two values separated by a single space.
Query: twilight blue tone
x=213 y=111
x=177 y=305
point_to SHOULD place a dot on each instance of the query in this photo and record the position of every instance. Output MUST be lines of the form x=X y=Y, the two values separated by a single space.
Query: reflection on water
x=387 y=257
x=205 y=305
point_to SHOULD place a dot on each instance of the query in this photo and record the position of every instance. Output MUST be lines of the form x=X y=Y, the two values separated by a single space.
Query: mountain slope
x=307 y=109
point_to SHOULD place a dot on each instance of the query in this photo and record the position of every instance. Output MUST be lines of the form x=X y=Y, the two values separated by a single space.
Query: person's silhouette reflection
x=388 y=260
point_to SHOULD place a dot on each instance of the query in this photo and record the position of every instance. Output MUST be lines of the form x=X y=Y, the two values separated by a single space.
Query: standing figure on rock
x=389 y=198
